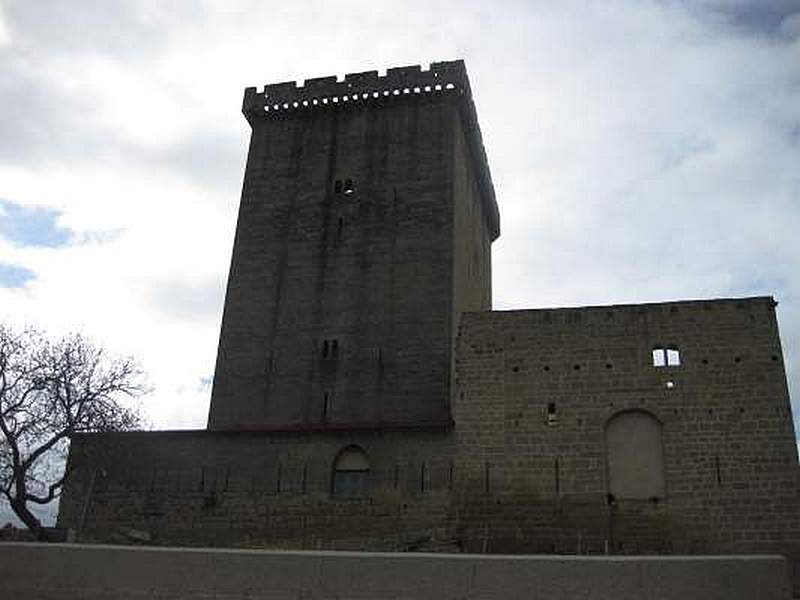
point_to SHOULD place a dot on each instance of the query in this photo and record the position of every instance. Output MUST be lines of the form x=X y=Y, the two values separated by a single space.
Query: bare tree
x=50 y=389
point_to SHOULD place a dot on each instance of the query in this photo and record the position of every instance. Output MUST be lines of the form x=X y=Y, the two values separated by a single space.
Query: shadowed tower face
x=365 y=229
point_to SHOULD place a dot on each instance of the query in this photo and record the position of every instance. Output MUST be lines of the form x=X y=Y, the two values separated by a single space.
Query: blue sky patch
x=13 y=276
x=32 y=226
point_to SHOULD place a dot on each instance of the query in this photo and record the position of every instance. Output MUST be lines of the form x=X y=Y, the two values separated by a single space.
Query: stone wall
x=357 y=316
x=536 y=390
x=356 y=90
x=258 y=489
x=524 y=468
x=67 y=572
x=342 y=305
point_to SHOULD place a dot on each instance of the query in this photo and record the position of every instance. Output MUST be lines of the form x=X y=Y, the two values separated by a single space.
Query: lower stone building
x=658 y=428
x=366 y=395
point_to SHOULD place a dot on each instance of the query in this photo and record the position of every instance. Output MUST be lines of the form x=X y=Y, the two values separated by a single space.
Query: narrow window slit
x=326 y=406
x=552 y=418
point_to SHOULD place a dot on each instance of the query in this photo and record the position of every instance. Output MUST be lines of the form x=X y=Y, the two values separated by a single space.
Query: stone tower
x=367 y=397
x=364 y=231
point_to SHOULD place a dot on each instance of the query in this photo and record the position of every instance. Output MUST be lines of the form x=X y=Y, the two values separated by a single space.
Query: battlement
x=359 y=89
x=441 y=77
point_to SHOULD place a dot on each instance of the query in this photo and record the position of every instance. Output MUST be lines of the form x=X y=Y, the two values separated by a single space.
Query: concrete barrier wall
x=70 y=571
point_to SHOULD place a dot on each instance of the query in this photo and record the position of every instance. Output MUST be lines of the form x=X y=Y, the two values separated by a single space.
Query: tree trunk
x=30 y=520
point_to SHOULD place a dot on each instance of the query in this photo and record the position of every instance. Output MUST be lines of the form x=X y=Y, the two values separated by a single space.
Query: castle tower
x=364 y=231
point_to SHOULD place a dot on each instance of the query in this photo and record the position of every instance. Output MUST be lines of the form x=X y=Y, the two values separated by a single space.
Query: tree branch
x=51 y=492
x=48 y=391
x=33 y=456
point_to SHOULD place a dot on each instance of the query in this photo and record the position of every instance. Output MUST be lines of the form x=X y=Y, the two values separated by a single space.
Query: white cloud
x=169 y=236
x=790 y=26
x=640 y=150
x=5 y=38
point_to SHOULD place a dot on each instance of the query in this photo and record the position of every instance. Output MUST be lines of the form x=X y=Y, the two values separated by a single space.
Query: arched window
x=635 y=456
x=351 y=474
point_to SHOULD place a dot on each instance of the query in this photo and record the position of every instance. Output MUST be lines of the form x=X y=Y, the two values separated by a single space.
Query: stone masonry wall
x=524 y=468
x=258 y=489
x=507 y=477
x=536 y=388
x=341 y=304
x=357 y=313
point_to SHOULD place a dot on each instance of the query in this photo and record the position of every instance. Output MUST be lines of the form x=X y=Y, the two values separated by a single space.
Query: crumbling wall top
x=737 y=310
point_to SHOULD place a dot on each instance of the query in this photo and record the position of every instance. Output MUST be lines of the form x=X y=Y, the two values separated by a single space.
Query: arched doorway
x=635 y=455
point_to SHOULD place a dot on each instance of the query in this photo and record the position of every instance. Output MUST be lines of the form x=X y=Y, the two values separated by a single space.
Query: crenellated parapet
x=359 y=89
x=442 y=77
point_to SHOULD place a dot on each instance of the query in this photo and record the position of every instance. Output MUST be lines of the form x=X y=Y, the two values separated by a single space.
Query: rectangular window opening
x=666 y=357
x=659 y=357
x=673 y=357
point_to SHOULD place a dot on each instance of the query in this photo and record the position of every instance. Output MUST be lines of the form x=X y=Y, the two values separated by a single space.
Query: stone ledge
x=68 y=571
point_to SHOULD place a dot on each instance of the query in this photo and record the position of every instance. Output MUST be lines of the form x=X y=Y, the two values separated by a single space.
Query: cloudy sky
x=641 y=151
